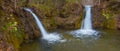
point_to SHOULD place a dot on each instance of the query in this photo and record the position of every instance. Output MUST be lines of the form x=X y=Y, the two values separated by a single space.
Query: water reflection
x=45 y=46
x=33 y=46
x=108 y=41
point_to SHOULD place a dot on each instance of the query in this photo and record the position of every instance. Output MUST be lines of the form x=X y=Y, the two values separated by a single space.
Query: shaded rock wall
x=103 y=12
x=15 y=26
x=106 y=14
x=57 y=14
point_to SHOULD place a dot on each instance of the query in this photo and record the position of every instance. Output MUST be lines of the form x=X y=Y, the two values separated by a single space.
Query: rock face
x=54 y=17
x=118 y=21
x=106 y=14
x=5 y=47
x=18 y=26
x=103 y=13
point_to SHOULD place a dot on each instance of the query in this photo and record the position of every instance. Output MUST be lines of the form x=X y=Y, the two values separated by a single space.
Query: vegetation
x=12 y=34
x=16 y=25
x=109 y=19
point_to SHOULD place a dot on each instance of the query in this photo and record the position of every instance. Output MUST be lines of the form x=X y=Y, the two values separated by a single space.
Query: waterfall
x=50 y=37
x=86 y=26
x=39 y=24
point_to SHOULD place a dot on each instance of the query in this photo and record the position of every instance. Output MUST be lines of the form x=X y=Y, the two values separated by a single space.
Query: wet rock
x=67 y=23
x=5 y=46
x=27 y=24
x=118 y=21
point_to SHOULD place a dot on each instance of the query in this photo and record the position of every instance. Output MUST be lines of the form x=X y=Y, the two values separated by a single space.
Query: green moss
x=2 y=13
x=49 y=23
x=0 y=1
x=109 y=14
x=78 y=23
x=12 y=34
x=46 y=10
x=109 y=21
x=53 y=22
x=106 y=13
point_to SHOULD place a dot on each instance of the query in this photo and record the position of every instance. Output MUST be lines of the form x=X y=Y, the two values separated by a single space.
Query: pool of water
x=108 y=40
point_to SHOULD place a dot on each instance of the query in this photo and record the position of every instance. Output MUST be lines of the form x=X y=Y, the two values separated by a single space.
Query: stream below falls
x=108 y=40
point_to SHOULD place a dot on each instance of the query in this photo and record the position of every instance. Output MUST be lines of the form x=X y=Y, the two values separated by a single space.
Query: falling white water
x=86 y=26
x=50 y=37
x=39 y=24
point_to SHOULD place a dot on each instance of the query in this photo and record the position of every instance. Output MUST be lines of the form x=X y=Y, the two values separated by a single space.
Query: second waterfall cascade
x=86 y=26
x=50 y=37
